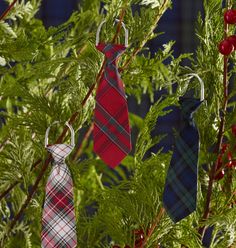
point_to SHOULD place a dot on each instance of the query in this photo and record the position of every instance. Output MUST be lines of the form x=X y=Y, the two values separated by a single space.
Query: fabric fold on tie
x=180 y=192
x=112 y=138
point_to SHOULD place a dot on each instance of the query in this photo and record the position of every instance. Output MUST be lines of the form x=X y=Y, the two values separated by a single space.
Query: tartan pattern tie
x=112 y=139
x=180 y=192
x=58 y=222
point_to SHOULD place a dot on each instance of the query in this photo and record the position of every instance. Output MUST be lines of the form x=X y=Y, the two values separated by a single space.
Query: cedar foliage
x=44 y=76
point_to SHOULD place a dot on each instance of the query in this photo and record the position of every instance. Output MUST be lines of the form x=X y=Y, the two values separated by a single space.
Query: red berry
x=219 y=175
x=230 y=16
x=229 y=164
x=233 y=128
x=225 y=47
x=139 y=233
x=229 y=155
x=234 y=163
x=232 y=40
x=115 y=246
x=224 y=147
x=139 y=238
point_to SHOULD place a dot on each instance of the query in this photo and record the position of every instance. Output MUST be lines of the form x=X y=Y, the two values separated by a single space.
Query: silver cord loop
x=201 y=84
x=72 y=142
x=116 y=20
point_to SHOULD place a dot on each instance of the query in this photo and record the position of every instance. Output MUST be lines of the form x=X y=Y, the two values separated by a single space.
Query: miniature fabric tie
x=180 y=193
x=112 y=139
x=58 y=222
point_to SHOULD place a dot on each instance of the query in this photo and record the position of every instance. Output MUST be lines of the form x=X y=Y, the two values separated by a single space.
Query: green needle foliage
x=44 y=76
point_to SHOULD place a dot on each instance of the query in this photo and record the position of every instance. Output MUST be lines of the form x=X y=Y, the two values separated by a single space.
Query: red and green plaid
x=58 y=222
x=112 y=138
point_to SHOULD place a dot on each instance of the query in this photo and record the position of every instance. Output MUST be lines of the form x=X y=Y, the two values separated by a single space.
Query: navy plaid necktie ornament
x=180 y=192
x=58 y=222
x=112 y=136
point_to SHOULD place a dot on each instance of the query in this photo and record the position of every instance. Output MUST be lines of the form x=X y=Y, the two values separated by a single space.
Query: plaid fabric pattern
x=58 y=222
x=112 y=139
x=180 y=192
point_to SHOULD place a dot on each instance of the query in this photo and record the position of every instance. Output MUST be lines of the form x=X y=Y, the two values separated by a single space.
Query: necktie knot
x=111 y=51
x=59 y=152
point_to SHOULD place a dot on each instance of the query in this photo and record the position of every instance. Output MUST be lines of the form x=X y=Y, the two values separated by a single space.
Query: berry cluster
x=228 y=45
x=225 y=158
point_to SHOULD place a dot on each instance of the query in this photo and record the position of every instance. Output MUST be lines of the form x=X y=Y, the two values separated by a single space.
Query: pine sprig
x=44 y=76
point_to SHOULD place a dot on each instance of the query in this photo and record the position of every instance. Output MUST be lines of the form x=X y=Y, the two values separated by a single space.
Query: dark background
x=177 y=23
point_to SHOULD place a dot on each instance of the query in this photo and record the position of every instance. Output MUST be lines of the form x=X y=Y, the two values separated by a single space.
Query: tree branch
x=59 y=140
x=138 y=49
x=8 y=190
x=78 y=150
x=153 y=226
x=4 y=14
x=74 y=116
x=213 y=171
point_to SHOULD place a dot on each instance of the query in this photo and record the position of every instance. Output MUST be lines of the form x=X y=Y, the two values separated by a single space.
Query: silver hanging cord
x=72 y=142
x=116 y=20
x=201 y=84
x=202 y=96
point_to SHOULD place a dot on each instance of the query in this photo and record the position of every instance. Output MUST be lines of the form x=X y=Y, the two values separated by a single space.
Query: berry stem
x=153 y=226
x=213 y=171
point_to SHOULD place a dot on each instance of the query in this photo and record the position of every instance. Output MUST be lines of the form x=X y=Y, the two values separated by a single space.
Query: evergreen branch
x=59 y=140
x=75 y=115
x=8 y=190
x=4 y=14
x=154 y=225
x=213 y=171
x=138 y=49
x=119 y=23
x=45 y=166
x=78 y=150
x=3 y=144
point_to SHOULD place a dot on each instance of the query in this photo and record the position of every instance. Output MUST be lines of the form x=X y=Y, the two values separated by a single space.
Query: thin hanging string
x=202 y=94
x=116 y=20
x=72 y=142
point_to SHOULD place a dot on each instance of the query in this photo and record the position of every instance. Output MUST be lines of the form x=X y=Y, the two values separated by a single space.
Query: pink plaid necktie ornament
x=112 y=135
x=58 y=222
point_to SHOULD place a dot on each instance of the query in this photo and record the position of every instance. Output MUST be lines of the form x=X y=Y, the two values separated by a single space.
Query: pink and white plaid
x=58 y=222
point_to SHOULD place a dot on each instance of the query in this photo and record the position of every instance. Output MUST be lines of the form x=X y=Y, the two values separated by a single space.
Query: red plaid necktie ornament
x=58 y=222
x=112 y=138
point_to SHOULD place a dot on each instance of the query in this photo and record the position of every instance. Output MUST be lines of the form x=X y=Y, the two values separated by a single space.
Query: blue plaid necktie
x=180 y=193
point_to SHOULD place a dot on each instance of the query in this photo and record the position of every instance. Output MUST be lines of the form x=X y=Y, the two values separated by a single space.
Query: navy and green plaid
x=180 y=192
